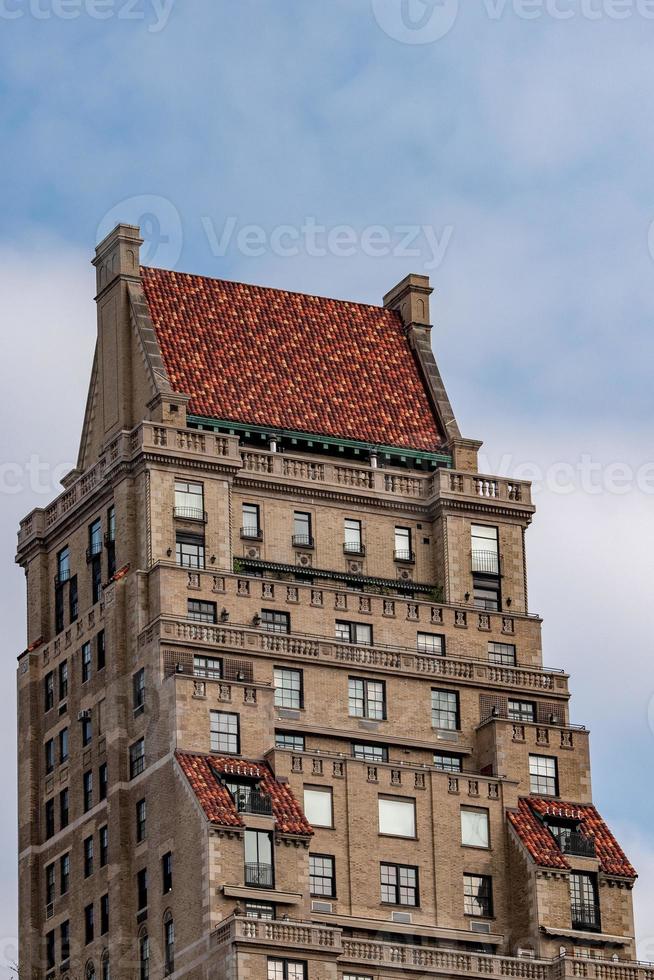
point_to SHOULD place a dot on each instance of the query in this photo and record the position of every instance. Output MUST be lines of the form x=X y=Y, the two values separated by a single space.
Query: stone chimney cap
x=410 y=298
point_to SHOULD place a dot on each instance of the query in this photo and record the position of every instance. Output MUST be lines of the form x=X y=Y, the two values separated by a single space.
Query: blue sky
x=507 y=145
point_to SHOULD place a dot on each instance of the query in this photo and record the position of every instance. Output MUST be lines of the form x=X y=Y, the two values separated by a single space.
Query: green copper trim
x=324 y=442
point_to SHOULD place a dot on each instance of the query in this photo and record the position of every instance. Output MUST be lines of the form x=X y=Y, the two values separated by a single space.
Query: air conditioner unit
x=84 y=715
x=322 y=907
x=49 y=910
x=480 y=927
x=445 y=735
x=404 y=917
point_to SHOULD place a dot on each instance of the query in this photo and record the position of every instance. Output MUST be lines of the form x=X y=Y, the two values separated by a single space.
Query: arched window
x=144 y=956
x=105 y=971
x=169 y=944
x=89 y=972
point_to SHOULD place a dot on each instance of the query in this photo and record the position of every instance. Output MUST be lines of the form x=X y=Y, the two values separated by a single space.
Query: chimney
x=118 y=256
x=410 y=298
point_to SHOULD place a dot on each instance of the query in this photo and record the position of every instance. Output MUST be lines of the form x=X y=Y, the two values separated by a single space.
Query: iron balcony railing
x=302 y=541
x=252 y=533
x=586 y=917
x=403 y=555
x=576 y=844
x=62 y=577
x=93 y=550
x=259 y=875
x=354 y=548
x=191 y=514
x=249 y=799
x=486 y=562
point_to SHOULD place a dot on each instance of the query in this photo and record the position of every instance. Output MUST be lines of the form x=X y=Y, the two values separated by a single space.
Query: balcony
x=586 y=917
x=485 y=562
x=190 y=514
x=575 y=844
x=303 y=541
x=259 y=875
x=93 y=550
x=404 y=556
x=355 y=548
x=252 y=533
x=62 y=577
x=249 y=799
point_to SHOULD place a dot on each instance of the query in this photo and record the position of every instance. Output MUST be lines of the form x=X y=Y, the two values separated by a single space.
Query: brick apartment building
x=282 y=712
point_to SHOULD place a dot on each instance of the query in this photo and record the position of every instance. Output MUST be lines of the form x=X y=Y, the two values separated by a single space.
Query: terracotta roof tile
x=217 y=802
x=286 y=360
x=544 y=849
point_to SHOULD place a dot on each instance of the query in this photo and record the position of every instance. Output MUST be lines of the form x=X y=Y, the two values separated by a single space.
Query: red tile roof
x=284 y=360
x=544 y=849
x=217 y=803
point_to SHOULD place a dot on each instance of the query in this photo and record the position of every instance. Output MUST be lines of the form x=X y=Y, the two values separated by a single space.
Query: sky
x=502 y=147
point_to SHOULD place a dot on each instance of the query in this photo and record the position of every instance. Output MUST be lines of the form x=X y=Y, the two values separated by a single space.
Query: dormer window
x=249 y=797
x=570 y=837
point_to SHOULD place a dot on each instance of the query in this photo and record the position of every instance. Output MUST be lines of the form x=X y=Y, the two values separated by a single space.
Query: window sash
x=321 y=875
x=445 y=710
x=448 y=762
x=367 y=699
x=288 y=688
x=399 y=885
x=477 y=895
x=225 y=732
x=431 y=643
x=543 y=775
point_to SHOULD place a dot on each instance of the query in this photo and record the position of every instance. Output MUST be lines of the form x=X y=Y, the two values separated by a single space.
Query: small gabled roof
x=267 y=357
x=203 y=774
x=528 y=823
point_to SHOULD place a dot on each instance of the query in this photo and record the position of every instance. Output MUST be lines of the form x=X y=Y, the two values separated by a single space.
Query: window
x=201 y=612
x=288 y=688
x=63 y=808
x=367 y=699
x=73 y=599
x=86 y=662
x=475 y=830
x=167 y=872
x=522 y=710
x=225 y=732
x=285 y=741
x=144 y=957
x=49 y=755
x=169 y=945
x=318 y=806
x=321 y=875
x=138 y=690
x=136 y=758
x=543 y=775
x=49 y=819
x=87 y=729
x=583 y=900
x=95 y=539
x=502 y=653
x=286 y=970
x=111 y=541
x=100 y=651
x=302 y=536
x=50 y=951
x=397 y=818
x=189 y=500
x=485 y=557
x=432 y=644
x=478 y=895
x=445 y=710
x=142 y=889
x=48 y=692
x=259 y=871
x=189 y=550
x=403 y=550
x=103 y=837
x=63 y=745
x=399 y=885
x=89 y=924
x=448 y=761
x=87 y=783
x=63 y=680
x=359 y=633
x=260 y=910
x=275 y=622
x=50 y=884
x=353 y=544
x=64 y=874
x=369 y=753
x=209 y=667
x=140 y=821
x=63 y=566
x=89 y=972
x=88 y=857
x=103 y=781
x=251 y=522
x=104 y=915
x=96 y=579
x=59 y=608
x=106 y=967
x=64 y=941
